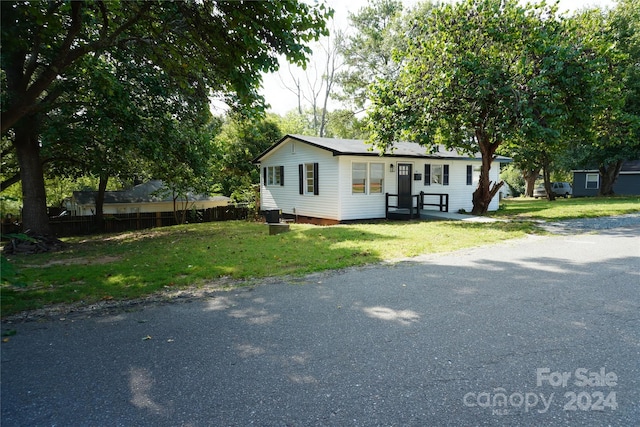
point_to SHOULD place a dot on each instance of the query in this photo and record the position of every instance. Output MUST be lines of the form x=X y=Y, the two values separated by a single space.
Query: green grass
x=561 y=209
x=136 y=264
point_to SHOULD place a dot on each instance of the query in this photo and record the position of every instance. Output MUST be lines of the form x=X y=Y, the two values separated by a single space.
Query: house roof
x=143 y=193
x=359 y=147
x=630 y=166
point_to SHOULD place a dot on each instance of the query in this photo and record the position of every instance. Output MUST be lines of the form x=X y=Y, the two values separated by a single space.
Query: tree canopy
x=368 y=50
x=614 y=35
x=477 y=74
x=203 y=48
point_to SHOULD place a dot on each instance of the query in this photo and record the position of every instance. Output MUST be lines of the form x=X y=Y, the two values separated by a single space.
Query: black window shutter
x=316 y=189
x=469 y=175
x=264 y=176
x=427 y=174
x=445 y=174
x=281 y=175
x=301 y=178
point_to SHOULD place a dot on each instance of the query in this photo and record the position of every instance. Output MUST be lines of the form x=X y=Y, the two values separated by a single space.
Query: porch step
x=403 y=214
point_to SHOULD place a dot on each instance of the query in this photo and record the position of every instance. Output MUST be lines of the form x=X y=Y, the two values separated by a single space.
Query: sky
x=275 y=85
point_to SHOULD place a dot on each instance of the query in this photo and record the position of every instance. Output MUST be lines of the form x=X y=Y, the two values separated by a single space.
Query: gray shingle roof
x=629 y=166
x=358 y=147
x=143 y=193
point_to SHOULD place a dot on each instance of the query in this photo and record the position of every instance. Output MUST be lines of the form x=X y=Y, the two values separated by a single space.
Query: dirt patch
x=107 y=306
x=78 y=261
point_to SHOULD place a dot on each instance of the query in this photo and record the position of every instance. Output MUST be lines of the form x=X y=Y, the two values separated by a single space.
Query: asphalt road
x=539 y=331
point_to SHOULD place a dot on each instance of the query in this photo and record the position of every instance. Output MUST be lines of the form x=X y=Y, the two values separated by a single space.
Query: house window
x=308 y=178
x=358 y=178
x=363 y=173
x=436 y=175
x=274 y=175
x=593 y=181
x=469 y=175
x=376 y=178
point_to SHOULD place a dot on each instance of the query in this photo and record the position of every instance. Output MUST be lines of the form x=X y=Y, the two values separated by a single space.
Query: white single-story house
x=328 y=180
x=142 y=198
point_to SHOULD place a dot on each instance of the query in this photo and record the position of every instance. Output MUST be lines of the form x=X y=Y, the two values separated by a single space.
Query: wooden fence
x=83 y=225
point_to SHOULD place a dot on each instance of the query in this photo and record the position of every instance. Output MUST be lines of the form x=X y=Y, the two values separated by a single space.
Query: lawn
x=561 y=209
x=136 y=264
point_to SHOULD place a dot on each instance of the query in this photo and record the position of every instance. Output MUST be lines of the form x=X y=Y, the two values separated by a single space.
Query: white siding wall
x=366 y=206
x=363 y=206
x=336 y=200
x=460 y=194
x=290 y=154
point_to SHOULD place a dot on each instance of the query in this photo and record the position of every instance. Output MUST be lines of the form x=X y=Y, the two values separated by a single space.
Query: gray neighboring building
x=147 y=197
x=587 y=182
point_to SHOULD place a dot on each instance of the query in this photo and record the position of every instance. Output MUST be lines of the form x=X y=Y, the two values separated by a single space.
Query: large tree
x=615 y=135
x=368 y=49
x=239 y=142
x=217 y=47
x=475 y=75
x=557 y=98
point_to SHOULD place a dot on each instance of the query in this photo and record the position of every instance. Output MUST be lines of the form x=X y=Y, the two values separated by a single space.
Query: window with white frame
x=274 y=175
x=358 y=178
x=592 y=181
x=308 y=178
x=367 y=178
x=436 y=174
x=376 y=178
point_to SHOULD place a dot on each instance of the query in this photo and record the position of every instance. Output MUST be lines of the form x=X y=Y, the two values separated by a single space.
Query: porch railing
x=418 y=203
x=411 y=208
x=443 y=201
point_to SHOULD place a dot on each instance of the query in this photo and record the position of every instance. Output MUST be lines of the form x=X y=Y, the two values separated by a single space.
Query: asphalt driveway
x=539 y=331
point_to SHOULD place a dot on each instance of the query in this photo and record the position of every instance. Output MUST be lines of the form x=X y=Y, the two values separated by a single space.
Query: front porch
x=413 y=206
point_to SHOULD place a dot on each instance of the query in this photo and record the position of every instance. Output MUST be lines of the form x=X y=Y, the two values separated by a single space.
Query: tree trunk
x=546 y=173
x=102 y=188
x=530 y=176
x=485 y=192
x=34 y=196
x=609 y=174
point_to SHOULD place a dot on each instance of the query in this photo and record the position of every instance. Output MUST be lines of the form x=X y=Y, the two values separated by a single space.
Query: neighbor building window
x=469 y=175
x=274 y=175
x=593 y=181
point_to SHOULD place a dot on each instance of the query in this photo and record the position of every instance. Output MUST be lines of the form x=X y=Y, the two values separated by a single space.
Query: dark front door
x=404 y=185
